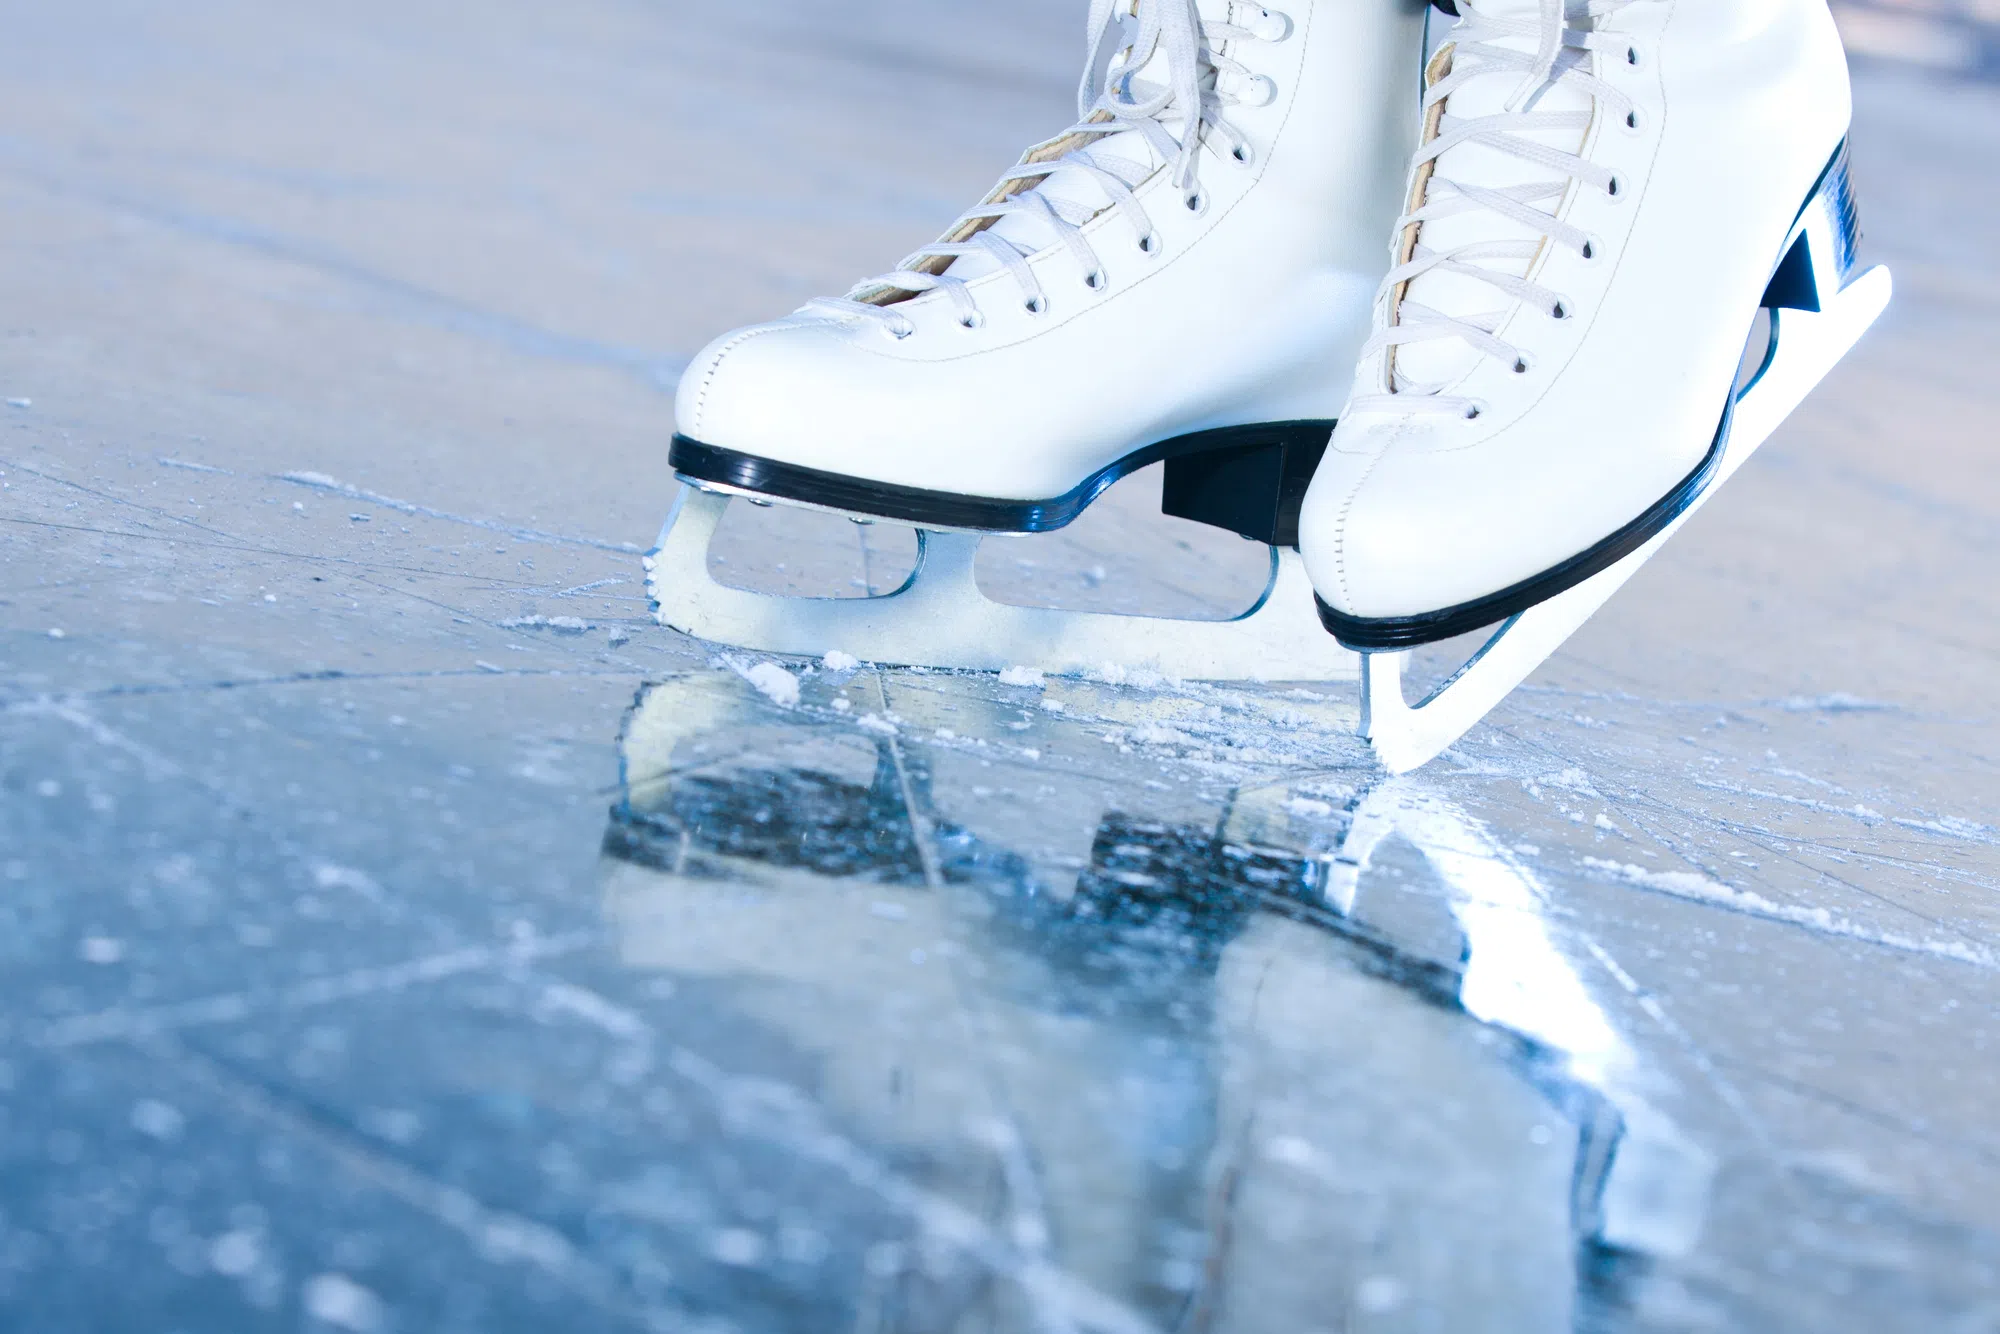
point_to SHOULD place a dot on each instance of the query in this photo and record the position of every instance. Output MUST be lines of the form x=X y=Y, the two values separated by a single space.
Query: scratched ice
x=403 y=932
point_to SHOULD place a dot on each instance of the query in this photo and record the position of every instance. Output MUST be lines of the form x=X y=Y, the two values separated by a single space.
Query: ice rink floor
x=400 y=933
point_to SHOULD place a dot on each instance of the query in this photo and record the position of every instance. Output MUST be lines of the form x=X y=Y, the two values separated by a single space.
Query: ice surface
x=339 y=1301
x=385 y=958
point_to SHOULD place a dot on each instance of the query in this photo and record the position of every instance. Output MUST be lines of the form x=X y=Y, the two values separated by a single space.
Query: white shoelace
x=1559 y=59
x=1172 y=30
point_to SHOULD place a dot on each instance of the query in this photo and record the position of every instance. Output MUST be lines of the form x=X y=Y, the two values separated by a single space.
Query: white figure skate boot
x=1168 y=279
x=1607 y=192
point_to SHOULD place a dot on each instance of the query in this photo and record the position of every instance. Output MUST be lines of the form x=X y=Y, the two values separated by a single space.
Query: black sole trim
x=696 y=462
x=1385 y=633
x=1792 y=286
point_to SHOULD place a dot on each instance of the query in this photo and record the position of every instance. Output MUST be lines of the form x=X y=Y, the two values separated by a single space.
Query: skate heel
x=1821 y=255
x=1250 y=480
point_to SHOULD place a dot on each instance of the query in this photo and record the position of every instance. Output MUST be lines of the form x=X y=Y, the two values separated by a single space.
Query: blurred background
x=1955 y=36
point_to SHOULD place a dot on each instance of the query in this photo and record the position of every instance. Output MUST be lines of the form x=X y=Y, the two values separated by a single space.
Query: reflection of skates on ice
x=1601 y=193
x=1233 y=1064
x=1168 y=281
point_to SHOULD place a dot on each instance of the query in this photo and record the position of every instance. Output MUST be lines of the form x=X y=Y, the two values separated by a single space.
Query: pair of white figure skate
x=1603 y=195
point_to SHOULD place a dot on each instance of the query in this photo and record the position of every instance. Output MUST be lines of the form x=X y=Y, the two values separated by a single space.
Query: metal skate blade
x=1804 y=348
x=785 y=502
x=939 y=617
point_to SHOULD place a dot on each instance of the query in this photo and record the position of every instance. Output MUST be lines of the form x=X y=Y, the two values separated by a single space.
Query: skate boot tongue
x=1128 y=154
x=1488 y=83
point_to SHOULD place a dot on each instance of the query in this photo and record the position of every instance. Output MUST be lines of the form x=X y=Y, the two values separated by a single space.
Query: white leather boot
x=1173 y=275
x=1606 y=193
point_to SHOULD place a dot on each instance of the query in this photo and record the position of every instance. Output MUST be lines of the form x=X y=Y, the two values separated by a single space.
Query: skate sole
x=1792 y=286
x=756 y=477
x=1399 y=632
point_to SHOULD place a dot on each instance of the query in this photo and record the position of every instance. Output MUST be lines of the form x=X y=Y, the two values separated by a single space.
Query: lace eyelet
x=1632 y=121
x=1273 y=26
x=1616 y=186
x=900 y=331
x=1632 y=56
x=1243 y=155
x=1258 y=91
x=1523 y=363
x=1095 y=280
x=972 y=320
x=1592 y=248
x=1475 y=410
x=1197 y=203
x=1559 y=311
x=1149 y=244
x=1035 y=305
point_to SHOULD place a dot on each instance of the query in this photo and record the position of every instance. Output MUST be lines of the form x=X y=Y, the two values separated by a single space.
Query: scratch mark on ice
x=319 y=481
x=64 y=707
x=230 y=1007
x=585 y=588
x=1697 y=888
x=499 y=1236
